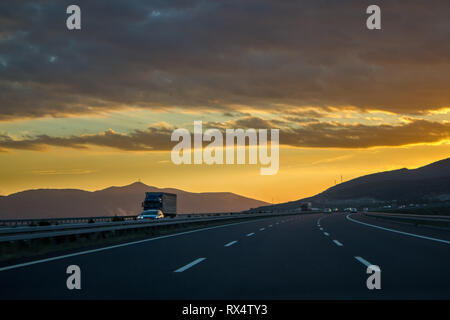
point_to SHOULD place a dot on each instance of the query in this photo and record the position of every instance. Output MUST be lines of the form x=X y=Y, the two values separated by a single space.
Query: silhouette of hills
x=125 y=200
x=430 y=183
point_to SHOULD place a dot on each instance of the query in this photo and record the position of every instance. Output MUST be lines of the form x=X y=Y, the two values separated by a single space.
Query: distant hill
x=430 y=183
x=126 y=200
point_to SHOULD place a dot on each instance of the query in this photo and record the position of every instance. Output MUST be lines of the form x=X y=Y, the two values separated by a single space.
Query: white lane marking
x=326 y=233
x=321 y=229
x=277 y=223
x=363 y=261
x=250 y=234
x=189 y=265
x=270 y=226
x=262 y=229
x=397 y=231
x=338 y=243
x=230 y=243
x=116 y=246
x=318 y=221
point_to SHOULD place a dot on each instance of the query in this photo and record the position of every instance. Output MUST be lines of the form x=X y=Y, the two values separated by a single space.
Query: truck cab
x=163 y=201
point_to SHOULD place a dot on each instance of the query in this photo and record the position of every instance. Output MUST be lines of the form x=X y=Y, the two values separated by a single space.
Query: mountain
x=430 y=183
x=126 y=200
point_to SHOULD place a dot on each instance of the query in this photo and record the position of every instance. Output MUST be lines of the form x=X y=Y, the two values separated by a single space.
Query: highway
x=310 y=256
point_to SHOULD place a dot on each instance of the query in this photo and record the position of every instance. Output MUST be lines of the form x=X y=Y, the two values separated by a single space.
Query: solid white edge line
x=230 y=243
x=397 y=231
x=189 y=265
x=116 y=246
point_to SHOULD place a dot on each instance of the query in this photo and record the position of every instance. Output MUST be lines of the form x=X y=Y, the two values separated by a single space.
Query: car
x=353 y=210
x=327 y=210
x=151 y=214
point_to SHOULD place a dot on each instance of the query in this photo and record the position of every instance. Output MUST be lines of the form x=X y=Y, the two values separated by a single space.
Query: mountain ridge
x=425 y=184
x=114 y=200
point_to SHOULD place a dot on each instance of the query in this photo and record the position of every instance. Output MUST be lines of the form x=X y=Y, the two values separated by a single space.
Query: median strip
x=24 y=244
x=117 y=246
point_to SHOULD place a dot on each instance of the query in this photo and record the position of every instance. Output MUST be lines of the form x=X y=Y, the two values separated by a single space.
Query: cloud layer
x=315 y=135
x=220 y=54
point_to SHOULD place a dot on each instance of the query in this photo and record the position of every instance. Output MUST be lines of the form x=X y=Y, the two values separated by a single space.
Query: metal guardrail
x=417 y=220
x=410 y=216
x=57 y=221
x=47 y=221
x=91 y=226
x=65 y=227
x=30 y=233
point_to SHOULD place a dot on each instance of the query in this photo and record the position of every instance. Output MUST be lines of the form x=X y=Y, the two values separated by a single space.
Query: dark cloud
x=300 y=119
x=152 y=139
x=335 y=135
x=315 y=135
x=256 y=122
x=307 y=113
x=216 y=54
x=235 y=114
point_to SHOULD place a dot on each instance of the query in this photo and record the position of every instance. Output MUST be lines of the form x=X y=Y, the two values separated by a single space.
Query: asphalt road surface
x=313 y=256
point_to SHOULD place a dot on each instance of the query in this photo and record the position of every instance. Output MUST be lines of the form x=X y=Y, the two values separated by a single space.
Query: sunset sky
x=96 y=107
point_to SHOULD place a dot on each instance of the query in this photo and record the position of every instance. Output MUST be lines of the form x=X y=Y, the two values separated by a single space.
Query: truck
x=166 y=202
